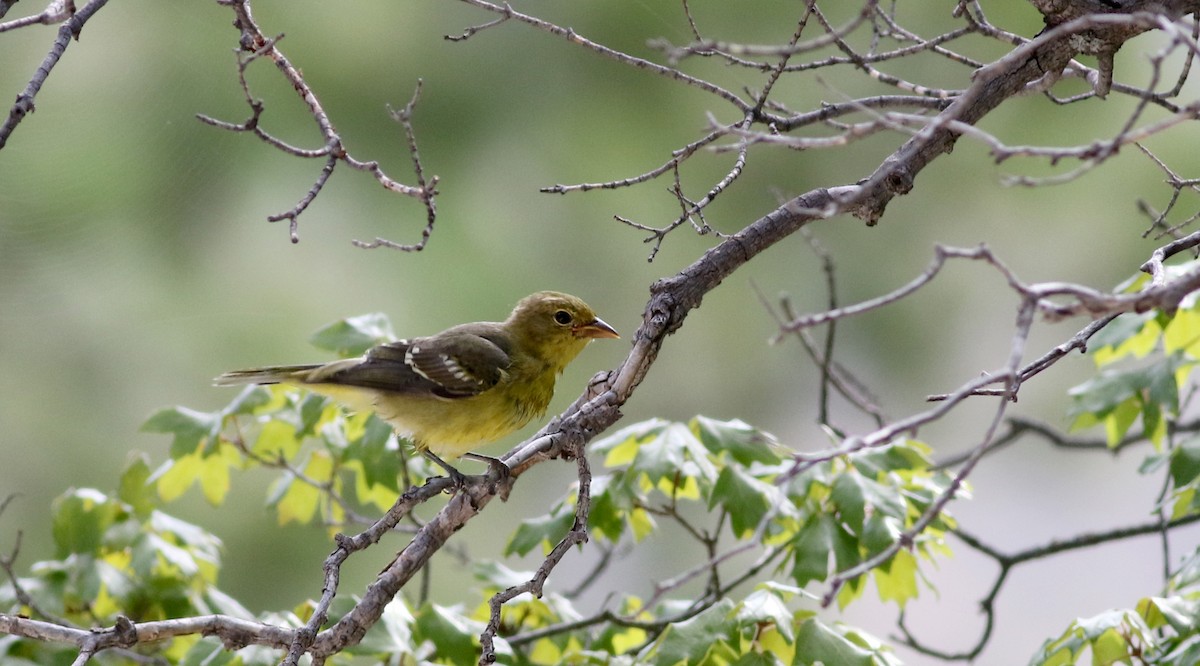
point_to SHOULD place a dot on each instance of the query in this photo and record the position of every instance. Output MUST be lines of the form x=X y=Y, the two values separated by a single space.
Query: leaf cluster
x=753 y=541
x=117 y=555
x=1145 y=364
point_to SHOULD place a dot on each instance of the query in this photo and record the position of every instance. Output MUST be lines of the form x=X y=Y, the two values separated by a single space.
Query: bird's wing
x=453 y=364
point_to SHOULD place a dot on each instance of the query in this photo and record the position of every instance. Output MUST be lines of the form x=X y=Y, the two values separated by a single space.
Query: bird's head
x=557 y=326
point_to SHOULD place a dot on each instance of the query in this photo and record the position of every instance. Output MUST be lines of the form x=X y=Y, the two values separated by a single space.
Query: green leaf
x=811 y=549
x=135 y=488
x=1183 y=333
x=1188 y=574
x=897 y=581
x=174 y=477
x=1136 y=282
x=850 y=498
x=276 y=438
x=641 y=523
x=673 y=457
x=879 y=533
x=616 y=639
x=621 y=446
x=202 y=543
x=173 y=557
x=846 y=546
x=1110 y=387
x=498 y=576
x=855 y=496
x=1179 y=613
x=742 y=442
x=1183 y=501
x=355 y=335
x=189 y=427
x=392 y=634
x=817 y=643
x=898 y=455
x=80 y=519
x=756 y=659
x=656 y=459
x=1121 y=418
x=1104 y=392
x=1143 y=335
x=452 y=634
x=208 y=651
x=381 y=465
x=548 y=529
x=1110 y=635
x=214 y=473
x=765 y=606
x=1186 y=653
x=606 y=517
x=248 y=400
x=689 y=641
x=1164 y=392
x=745 y=498
x=1110 y=647
x=217 y=602
x=299 y=499
x=311 y=409
x=1185 y=463
x=1119 y=396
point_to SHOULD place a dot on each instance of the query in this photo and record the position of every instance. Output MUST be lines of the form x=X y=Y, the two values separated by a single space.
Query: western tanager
x=466 y=386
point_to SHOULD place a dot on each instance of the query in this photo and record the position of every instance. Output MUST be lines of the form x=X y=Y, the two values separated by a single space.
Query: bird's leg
x=502 y=471
x=457 y=478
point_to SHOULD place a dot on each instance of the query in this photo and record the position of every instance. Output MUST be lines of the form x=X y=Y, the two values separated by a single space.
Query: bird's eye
x=563 y=317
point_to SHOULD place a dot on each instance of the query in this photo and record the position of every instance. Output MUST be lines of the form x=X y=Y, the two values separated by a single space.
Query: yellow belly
x=448 y=428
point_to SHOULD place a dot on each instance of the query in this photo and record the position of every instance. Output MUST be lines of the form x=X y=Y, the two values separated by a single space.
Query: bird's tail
x=270 y=375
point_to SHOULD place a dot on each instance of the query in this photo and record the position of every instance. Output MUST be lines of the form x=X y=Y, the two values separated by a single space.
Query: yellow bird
x=464 y=387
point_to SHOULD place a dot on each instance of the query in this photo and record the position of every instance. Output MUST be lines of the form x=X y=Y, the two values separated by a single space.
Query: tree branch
x=69 y=30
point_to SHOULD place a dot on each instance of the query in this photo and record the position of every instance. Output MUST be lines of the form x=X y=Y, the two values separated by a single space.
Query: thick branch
x=232 y=631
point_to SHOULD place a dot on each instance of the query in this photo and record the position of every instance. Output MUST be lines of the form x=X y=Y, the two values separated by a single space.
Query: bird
x=453 y=391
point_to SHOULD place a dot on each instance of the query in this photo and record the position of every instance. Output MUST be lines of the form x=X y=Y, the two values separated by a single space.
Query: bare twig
x=577 y=535
x=69 y=30
x=1007 y=562
x=907 y=538
x=55 y=12
x=426 y=187
x=254 y=44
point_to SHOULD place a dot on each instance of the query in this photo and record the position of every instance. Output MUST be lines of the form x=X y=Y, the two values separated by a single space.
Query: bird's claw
x=499 y=476
x=458 y=480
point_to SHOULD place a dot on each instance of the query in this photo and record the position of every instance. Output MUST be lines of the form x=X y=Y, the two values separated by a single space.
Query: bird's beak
x=596 y=329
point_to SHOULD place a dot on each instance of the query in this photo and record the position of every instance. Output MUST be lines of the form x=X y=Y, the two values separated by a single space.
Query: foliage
x=1143 y=362
x=1117 y=396
x=118 y=555
x=123 y=555
x=1157 y=630
x=319 y=449
x=763 y=537
x=771 y=529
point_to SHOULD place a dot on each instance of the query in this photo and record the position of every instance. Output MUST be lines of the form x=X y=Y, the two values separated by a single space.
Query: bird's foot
x=458 y=480
x=499 y=475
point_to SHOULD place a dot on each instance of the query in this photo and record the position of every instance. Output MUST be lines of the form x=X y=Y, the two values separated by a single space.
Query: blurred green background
x=136 y=263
